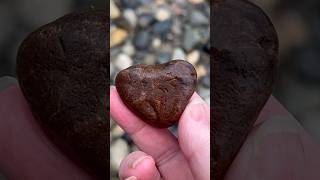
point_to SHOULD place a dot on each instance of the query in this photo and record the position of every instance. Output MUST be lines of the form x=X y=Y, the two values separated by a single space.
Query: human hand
x=25 y=151
x=162 y=155
x=277 y=148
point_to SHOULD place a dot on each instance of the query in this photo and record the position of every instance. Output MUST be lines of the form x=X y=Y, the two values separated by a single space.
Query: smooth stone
x=158 y=94
x=145 y=20
x=196 y=1
x=119 y=150
x=156 y=43
x=178 y=53
x=131 y=4
x=162 y=14
x=118 y=36
x=149 y=59
x=142 y=40
x=117 y=132
x=114 y=10
x=131 y=17
x=198 y=18
x=128 y=49
x=201 y=70
x=162 y=27
x=193 y=57
x=191 y=38
x=123 y=61
x=163 y=57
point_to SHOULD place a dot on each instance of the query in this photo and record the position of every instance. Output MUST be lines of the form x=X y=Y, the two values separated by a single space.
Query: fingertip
x=197 y=109
x=138 y=165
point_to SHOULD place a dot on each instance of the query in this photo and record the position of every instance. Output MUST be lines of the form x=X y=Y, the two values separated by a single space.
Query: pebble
x=205 y=81
x=178 y=53
x=119 y=149
x=117 y=132
x=198 y=18
x=196 y=1
x=117 y=36
x=176 y=27
x=112 y=70
x=123 y=61
x=191 y=38
x=162 y=27
x=193 y=57
x=138 y=57
x=164 y=57
x=142 y=40
x=145 y=20
x=131 y=17
x=162 y=14
x=131 y=4
x=149 y=59
x=114 y=10
x=156 y=43
x=204 y=92
x=128 y=49
x=201 y=71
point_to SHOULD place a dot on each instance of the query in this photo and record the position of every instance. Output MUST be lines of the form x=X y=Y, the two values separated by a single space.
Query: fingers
x=25 y=151
x=138 y=165
x=194 y=136
x=278 y=149
x=158 y=143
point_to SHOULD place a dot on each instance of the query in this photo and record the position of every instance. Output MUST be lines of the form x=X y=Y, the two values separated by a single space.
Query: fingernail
x=131 y=178
x=139 y=160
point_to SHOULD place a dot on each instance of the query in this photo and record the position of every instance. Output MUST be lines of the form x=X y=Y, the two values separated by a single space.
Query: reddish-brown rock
x=158 y=94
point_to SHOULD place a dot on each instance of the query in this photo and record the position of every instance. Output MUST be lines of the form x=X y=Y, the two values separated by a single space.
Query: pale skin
x=277 y=148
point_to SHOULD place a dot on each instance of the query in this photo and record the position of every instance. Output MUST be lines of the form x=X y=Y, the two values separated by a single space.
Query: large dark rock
x=245 y=58
x=63 y=72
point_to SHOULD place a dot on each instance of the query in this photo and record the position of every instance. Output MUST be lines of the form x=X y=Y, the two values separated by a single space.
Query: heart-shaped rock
x=158 y=94
x=245 y=58
x=63 y=72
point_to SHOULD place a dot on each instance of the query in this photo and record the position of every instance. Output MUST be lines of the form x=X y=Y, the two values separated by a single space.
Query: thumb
x=194 y=136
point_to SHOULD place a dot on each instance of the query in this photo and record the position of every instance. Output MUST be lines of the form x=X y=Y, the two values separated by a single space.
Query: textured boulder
x=63 y=72
x=245 y=58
